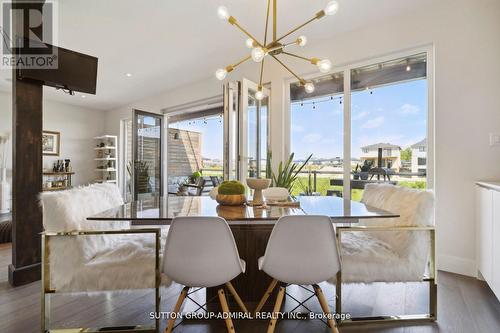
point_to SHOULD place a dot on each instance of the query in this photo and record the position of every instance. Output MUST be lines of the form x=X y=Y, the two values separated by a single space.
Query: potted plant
x=287 y=173
x=231 y=193
x=365 y=168
x=195 y=176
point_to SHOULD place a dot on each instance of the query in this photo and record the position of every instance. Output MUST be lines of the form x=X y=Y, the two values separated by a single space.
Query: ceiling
x=166 y=44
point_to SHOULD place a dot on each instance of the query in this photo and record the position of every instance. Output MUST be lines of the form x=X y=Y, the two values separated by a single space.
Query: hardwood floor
x=464 y=305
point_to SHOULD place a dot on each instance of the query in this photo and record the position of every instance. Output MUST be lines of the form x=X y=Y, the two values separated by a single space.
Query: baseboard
x=457 y=265
x=19 y=276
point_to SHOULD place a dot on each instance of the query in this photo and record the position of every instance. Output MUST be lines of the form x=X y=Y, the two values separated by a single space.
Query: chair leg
x=180 y=300
x=225 y=309
x=268 y=293
x=277 y=307
x=325 y=308
x=237 y=297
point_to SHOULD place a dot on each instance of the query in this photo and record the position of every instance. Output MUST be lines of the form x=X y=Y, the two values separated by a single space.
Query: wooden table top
x=162 y=210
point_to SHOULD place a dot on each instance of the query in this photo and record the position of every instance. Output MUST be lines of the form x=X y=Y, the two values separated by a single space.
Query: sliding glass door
x=246 y=130
x=147 y=165
x=368 y=123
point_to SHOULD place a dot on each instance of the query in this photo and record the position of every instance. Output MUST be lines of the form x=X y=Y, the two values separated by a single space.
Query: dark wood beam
x=27 y=110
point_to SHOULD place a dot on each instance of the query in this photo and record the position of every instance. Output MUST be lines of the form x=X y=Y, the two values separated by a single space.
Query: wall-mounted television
x=75 y=72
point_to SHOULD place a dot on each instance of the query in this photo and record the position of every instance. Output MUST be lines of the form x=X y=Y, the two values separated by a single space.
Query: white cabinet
x=488 y=233
x=484 y=229
x=495 y=284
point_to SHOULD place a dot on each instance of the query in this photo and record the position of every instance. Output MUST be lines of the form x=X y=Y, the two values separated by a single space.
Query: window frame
x=346 y=70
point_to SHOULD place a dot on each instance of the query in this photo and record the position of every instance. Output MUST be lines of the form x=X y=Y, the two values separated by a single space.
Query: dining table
x=251 y=225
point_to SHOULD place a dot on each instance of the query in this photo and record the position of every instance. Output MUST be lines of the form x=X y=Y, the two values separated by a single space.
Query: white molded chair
x=89 y=256
x=394 y=249
x=301 y=250
x=200 y=252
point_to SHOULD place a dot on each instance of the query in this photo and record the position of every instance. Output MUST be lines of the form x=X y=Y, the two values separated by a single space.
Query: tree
x=406 y=154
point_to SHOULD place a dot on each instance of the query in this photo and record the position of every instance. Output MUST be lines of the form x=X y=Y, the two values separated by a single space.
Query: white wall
x=77 y=125
x=465 y=37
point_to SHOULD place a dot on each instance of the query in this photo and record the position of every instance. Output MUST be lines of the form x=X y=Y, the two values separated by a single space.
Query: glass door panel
x=253 y=131
x=148 y=134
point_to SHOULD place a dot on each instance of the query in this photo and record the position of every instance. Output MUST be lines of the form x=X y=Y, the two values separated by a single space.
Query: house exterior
x=419 y=157
x=391 y=155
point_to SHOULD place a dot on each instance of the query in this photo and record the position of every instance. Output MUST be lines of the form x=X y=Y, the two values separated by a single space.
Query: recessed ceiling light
x=128 y=74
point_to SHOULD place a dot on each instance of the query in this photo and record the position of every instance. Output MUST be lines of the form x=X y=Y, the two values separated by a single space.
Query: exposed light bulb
x=258 y=54
x=324 y=65
x=249 y=43
x=221 y=74
x=259 y=95
x=222 y=13
x=309 y=87
x=332 y=8
x=302 y=41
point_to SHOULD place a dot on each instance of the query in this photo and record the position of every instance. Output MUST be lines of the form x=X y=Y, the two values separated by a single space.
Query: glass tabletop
x=163 y=209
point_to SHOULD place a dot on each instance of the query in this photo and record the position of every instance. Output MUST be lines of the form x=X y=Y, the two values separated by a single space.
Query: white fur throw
x=390 y=256
x=94 y=263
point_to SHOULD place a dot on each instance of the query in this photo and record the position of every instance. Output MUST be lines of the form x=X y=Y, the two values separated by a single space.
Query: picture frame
x=51 y=143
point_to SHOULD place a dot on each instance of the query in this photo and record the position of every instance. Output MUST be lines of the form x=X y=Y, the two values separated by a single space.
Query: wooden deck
x=464 y=305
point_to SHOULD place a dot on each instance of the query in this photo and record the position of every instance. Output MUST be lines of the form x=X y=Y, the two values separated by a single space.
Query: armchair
x=84 y=256
x=391 y=250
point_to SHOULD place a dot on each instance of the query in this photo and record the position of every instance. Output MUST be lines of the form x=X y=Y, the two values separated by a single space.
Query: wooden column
x=27 y=97
x=27 y=181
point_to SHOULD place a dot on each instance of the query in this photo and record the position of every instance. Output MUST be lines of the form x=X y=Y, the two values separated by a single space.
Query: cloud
x=297 y=128
x=312 y=138
x=373 y=123
x=360 y=115
x=409 y=109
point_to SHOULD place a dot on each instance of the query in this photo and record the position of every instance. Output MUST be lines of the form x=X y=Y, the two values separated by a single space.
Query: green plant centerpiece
x=231 y=193
x=287 y=173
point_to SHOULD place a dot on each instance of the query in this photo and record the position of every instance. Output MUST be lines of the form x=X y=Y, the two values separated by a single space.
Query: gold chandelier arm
x=233 y=21
x=275 y=19
x=230 y=68
x=267 y=21
x=261 y=72
x=298 y=56
x=302 y=81
x=318 y=15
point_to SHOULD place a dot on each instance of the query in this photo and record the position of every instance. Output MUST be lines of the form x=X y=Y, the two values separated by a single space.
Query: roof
x=381 y=145
x=421 y=143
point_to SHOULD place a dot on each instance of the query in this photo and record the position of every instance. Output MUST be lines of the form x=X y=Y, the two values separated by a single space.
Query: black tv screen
x=75 y=71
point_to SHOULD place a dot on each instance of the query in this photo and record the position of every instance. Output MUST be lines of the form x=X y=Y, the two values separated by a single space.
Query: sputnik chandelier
x=276 y=46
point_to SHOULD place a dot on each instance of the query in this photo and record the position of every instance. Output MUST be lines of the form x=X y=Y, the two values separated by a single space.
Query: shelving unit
x=58 y=180
x=106 y=159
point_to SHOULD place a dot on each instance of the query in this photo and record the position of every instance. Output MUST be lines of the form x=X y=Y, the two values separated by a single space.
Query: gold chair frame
x=47 y=291
x=432 y=278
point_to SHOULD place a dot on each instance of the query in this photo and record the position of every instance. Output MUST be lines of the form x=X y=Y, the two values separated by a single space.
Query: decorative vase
x=257 y=185
x=231 y=199
x=4 y=192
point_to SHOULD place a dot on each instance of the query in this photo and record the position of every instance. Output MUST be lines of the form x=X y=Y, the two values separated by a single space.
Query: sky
x=395 y=114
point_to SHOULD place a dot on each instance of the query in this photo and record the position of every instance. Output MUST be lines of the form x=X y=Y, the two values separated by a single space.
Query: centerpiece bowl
x=258 y=184
x=231 y=193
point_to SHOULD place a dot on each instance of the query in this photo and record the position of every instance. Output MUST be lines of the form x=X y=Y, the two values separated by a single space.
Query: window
x=317 y=128
x=388 y=124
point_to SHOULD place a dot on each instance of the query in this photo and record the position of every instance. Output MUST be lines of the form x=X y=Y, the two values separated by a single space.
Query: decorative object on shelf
x=57 y=180
x=4 y=184
x=231 y=193
x=51 y=143
x=106 y=148
x=287 y=174
x=277 y=46
x=257 y=185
